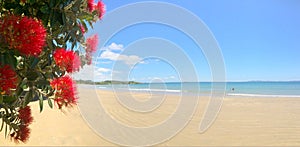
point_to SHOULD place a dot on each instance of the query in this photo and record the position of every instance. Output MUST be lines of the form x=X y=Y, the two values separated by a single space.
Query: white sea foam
x=260 y=95
x=156 y=90
x=102 y=87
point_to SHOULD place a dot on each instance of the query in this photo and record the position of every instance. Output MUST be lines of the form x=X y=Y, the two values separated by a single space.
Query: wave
x=140 y=89
x=101 y=87
x=260 y=95
x=156 y=90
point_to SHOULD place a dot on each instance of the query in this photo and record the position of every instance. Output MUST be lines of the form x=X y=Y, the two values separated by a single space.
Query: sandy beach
x=242 y=121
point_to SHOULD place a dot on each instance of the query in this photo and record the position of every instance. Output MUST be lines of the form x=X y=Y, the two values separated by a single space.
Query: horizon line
x=199 y=81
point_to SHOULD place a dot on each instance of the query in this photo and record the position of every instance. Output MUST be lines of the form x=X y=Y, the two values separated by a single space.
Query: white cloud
x=104 y=62
x=114 y=46
x=127 y=59
x=169 y=78
x=103 y=69
x=91 y=72
x=143 y=62
x=154 y=78
x=109 y=55
x=130 y=60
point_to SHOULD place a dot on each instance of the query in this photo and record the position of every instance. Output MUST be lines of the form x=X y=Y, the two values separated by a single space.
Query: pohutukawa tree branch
x=41 y=41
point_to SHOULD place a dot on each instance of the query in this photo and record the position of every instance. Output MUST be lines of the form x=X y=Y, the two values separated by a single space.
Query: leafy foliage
x=26 y=72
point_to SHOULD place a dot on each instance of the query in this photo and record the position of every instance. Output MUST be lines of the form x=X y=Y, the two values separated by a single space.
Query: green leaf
x=91 y=24
x=63 y=17
x=58 y=17
x=24 y=82
x=84 y=26
x=31 y=1
x=45 y=9
x=32 y=75
x=2 y=58
x=76 y=6
x=18 y=10
x=42 y=82
x=52 y=3
x=50 y=103
x=28 y=97
x=10 y=128
x=19 y=91
x=68 y=6
x=41 y=102
x=14 y=126
x=34 y=62
x=12 y=61
x=1 y=99
x=2 y=124
x=5 y=130
x=9 y=99
x=50 y=44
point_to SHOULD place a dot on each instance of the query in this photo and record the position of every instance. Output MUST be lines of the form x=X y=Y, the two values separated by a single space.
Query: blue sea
x=247 y=89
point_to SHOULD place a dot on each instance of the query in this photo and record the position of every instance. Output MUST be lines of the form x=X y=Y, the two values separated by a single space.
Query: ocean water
x=249 y=89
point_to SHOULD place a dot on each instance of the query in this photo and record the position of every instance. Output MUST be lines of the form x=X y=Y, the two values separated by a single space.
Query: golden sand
x=241 y=122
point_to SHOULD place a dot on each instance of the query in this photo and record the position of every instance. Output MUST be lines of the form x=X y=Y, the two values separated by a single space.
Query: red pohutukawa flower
x=92 y=43
x=100 y=8
x=82 y=29
x=91 y=47
x=8 y=79
x=27 y=35
x=22 y=134
x=65 y=94
x=67 y=60
x=90 y=5
x=25 y=115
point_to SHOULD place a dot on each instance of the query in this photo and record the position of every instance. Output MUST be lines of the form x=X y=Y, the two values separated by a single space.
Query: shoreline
x=179 y=92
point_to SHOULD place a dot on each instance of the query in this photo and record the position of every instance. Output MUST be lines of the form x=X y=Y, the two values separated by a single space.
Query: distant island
x=106 y=82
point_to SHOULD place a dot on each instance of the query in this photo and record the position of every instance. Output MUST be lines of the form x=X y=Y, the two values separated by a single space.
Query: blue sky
x=259 y=40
